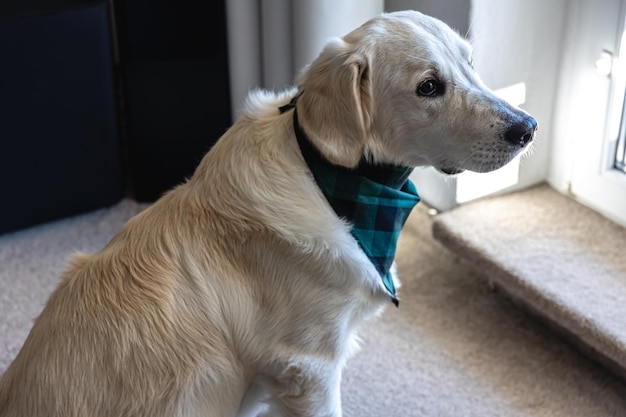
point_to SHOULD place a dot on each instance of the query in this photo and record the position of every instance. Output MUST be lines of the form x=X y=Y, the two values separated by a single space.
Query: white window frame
x=590 y=108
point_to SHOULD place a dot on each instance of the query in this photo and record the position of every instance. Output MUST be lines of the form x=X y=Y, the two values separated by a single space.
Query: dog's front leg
x=308 y=390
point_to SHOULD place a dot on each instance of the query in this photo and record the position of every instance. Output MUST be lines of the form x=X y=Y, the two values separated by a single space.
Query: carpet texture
x=558 y=257
x=453 y=348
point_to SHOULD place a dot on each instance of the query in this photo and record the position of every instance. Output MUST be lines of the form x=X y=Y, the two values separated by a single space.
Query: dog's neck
x=375 y=199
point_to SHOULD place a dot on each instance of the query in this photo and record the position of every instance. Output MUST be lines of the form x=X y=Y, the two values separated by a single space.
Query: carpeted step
x=562 y=260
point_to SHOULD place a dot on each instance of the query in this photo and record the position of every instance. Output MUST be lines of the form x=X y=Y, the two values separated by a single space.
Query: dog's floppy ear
x=335 y=107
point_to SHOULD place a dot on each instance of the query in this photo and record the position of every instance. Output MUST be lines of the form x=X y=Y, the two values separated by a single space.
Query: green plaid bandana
x=375 y=199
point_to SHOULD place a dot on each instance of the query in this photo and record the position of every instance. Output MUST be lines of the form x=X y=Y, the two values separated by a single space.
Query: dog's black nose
x=521 y=132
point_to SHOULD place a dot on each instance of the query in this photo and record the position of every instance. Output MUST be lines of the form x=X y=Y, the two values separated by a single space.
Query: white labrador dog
x=244 y=280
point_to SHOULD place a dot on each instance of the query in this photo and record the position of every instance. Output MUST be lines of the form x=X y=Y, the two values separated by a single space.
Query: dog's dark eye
x=430 y=88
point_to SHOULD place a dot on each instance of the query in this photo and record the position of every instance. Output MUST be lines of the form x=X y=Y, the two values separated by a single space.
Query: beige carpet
x=453 y=348
x=561 y=259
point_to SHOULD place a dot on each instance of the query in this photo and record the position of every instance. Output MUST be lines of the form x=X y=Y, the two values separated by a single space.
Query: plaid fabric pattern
x=375 y=199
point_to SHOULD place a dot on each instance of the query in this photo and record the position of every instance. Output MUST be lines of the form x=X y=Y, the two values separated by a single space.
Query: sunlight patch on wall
x=471 y=185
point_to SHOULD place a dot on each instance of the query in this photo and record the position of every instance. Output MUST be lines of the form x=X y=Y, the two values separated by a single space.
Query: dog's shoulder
x=255 y=174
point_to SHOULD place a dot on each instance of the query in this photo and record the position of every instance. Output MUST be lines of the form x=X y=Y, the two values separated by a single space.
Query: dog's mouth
x=450 y=170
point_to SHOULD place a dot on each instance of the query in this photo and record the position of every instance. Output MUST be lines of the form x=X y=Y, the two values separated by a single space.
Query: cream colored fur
x=242 y=285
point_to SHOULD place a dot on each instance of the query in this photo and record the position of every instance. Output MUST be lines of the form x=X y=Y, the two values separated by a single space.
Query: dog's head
x=401 y=89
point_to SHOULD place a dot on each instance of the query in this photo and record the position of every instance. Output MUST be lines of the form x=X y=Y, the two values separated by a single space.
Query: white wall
x=521 y=41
